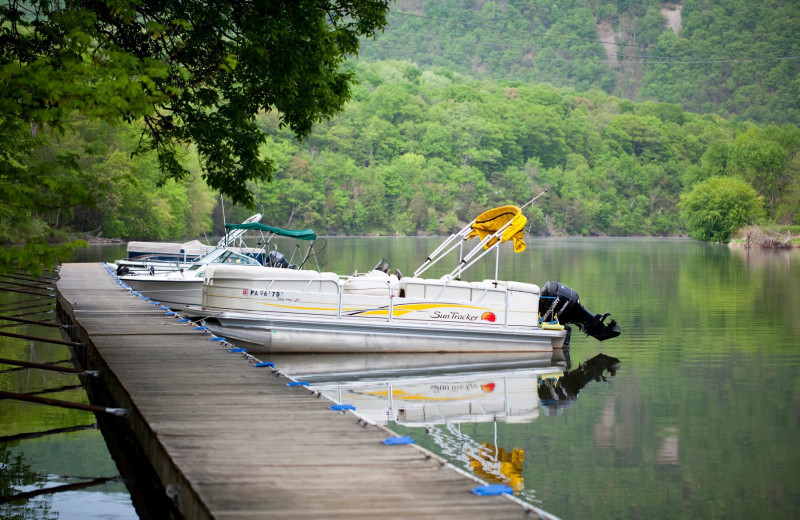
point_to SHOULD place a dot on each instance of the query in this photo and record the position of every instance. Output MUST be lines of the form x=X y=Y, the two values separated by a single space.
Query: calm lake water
x=699 y=419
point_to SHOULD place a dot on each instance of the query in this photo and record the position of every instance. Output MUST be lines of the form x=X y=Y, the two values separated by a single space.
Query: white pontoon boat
x=280 y=310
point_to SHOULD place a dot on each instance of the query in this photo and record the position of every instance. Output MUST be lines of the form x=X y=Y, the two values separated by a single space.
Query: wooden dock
x=227 y=439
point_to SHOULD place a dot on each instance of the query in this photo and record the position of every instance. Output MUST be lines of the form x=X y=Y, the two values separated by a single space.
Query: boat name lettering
x=453 y=387
x=261 y=292
x=453 y=315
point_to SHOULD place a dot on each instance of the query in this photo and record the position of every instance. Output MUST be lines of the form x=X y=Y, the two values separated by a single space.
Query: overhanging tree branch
x=217 y=64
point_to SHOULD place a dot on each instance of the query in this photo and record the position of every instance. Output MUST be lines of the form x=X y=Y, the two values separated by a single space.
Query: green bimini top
x=299 y=234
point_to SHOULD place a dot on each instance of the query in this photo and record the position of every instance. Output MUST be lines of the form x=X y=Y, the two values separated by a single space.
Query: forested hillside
x=514 y=98
x=418 y=151
x=731 y=57
x=423 y=152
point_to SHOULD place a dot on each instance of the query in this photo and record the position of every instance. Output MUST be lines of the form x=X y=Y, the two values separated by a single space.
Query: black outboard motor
x=559 y=300
x=276 y=259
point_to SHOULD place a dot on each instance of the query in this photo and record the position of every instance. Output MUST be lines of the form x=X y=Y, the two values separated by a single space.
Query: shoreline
x=760 y=237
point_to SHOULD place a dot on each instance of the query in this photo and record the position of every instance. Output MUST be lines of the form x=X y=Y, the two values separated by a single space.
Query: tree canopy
x=443 y=147
x=222 y=98
x=191 y=75
x=193 y=72
x=736 y=58
x=717 y=207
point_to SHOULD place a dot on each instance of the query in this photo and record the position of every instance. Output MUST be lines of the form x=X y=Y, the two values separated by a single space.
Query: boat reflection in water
x=441 y=392
x=561 y=391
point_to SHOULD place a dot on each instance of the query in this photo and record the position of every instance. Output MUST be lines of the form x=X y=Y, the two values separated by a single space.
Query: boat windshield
x=229 y=257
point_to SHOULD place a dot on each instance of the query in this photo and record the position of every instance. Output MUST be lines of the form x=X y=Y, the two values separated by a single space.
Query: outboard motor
x=559 y=300
x=276 y=259
x=382 y=266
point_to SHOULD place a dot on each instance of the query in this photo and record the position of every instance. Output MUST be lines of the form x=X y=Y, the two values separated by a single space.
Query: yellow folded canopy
x=490 y=222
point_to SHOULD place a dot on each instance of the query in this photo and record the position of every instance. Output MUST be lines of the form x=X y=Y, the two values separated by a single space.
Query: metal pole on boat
x=461 y=253
x=438 y=254
x=479 y=250
x=505 y=317
x=341 y=292
x=496 y=265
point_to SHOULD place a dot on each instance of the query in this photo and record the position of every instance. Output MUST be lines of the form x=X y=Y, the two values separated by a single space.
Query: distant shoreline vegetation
x=767 y=237
x=457 y=107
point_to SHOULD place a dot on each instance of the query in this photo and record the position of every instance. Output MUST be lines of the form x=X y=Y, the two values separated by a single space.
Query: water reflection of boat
x=423 y=390
x=559 y=391
x=497 y=465
x=440 y=393
x=353 y=367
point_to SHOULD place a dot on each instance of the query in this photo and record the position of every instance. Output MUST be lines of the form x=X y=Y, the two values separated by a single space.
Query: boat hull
x=368 y=365
x=268 y=334
x=174 y=293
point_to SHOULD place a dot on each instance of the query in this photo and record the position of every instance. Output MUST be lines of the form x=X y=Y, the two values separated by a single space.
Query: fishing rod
x=544 y=190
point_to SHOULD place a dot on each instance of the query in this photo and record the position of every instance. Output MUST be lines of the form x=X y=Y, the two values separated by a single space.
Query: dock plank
x=238 y=441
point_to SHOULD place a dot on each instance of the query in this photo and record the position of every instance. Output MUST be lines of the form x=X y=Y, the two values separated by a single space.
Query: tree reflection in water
x=16 y=475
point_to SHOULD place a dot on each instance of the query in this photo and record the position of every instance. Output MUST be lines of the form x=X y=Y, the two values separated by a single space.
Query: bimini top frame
x=234 y=233
x=494 y=227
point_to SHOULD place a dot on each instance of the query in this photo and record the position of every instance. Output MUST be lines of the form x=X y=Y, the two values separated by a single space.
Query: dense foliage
x=87 y=182
x=731 y=57
x=418 y=149
x=192 y=71
x=718 y=206
x=188 y=73
x=422 y=152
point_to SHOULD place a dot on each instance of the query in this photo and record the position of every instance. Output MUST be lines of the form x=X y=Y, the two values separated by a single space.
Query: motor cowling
x=558 y=300
x=278 y=259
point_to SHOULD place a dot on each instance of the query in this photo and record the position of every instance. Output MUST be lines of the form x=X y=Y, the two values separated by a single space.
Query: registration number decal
x=261 y=292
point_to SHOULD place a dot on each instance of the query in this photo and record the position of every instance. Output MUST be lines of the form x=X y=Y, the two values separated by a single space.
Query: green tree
x=767 y=159
x=715 y=208
x=192 y=72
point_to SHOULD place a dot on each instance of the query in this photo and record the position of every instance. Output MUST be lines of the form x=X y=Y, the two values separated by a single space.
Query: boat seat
x=374 y=283
x=515 y=286
x=436 y=289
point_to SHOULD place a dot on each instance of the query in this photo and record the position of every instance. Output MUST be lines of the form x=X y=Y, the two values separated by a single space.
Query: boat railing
x=372 y=298
x=387 y=295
